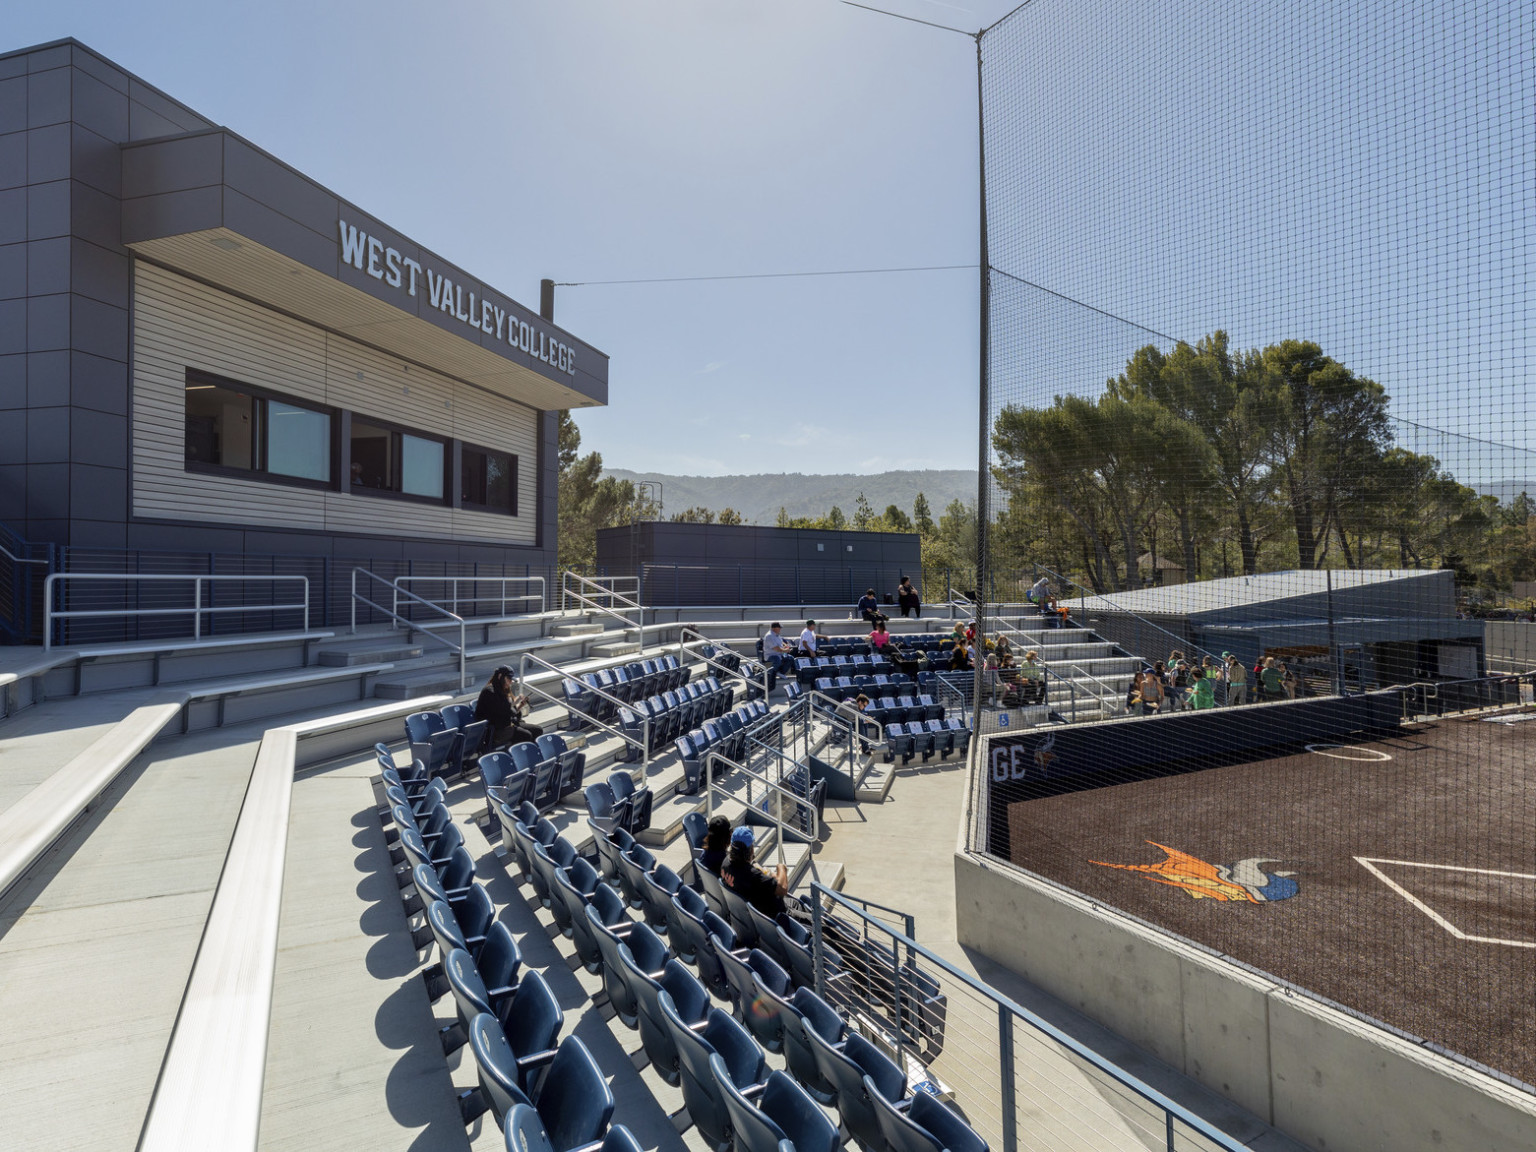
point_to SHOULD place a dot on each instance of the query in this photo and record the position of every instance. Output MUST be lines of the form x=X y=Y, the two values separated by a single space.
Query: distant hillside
x=1506 y=491
x=759 y=498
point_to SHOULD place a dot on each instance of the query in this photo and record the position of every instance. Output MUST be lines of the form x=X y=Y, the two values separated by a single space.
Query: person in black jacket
x=504 y=711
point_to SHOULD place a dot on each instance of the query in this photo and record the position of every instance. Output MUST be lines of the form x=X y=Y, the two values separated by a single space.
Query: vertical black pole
x=547 y=300
x=983 y=515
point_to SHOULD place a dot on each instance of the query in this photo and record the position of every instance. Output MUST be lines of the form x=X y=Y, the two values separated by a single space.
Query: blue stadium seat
x=940 y=738
x=781 y=1116
x=609 y=937
x=959 y=733
x=524 y=837
x=922 y=739
x=695 y=828
x=898 y=742
x=657 y=887
x=845 y=1068
x=691 y=940
x=559 y=853
x=741 y=919
x=720 y=936
x=572 y=763
x=744 y=1067
x=606 y=908
x=634 y=862
x=689 y=998
x=579 y=703
x=807 y=1012
x=637 y=801
x=609 y=849
x=504 y=781
x=604 y=810
x=578 y=878
x=926 y=1125
x=750 y=975
x=768 y=936
x=714 y=891
x=692 y=761
x=434 y=743
x=573 y=1102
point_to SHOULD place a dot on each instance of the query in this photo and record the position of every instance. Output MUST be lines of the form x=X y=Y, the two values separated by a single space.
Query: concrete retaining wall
x=1511 y=640
x=1326 y=1078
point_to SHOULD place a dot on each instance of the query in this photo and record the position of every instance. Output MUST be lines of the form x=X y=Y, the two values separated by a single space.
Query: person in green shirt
x=1273 y=678
x=1202 y=692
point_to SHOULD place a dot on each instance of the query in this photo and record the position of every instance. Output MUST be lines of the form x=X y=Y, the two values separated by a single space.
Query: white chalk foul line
x=1369 y=864
x=1370 y=754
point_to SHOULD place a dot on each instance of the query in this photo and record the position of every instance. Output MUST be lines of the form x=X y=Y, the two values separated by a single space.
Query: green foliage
x=588 y=500
x=922 y=515
x=895 y=520
x=1231 y=462
x=863 y=515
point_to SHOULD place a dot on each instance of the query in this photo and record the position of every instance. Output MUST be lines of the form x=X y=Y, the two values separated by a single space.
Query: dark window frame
x=259 y=474
x=397 y=429
x=473 y=506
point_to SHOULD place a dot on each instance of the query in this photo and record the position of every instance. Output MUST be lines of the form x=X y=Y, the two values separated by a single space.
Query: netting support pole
x=983 y=513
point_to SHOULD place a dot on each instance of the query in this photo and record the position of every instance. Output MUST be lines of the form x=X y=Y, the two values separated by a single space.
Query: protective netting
x=1260 y=407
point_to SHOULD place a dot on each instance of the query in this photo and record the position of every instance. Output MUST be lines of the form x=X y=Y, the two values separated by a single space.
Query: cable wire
x=767 y=275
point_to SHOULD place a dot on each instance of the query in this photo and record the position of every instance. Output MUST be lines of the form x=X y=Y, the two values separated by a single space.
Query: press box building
x=207 y=357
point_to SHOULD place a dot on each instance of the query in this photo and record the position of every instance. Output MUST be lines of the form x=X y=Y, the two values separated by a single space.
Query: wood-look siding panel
x=180 y=324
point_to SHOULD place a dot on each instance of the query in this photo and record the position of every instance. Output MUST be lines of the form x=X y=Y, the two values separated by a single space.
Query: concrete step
x=584 y=628
x=616 y=648
x=876 y=782
x=392 y=650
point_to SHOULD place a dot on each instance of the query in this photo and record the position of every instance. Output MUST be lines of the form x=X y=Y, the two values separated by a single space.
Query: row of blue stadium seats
x=447 y=742
x=547 y=1096
x=542 y=772
x=719 y=1064
x=928 y=737
x=728 y=736
x=809 y=668
x=634 y=681
x=672 y=712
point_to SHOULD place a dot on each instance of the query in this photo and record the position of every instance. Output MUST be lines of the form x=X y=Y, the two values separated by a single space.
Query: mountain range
x=759 y=497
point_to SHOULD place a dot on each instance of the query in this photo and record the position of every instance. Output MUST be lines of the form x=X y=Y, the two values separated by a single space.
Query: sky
x=607 y=139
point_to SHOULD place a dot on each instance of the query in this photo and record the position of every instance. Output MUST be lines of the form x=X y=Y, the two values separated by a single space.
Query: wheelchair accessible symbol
x=1002 y=720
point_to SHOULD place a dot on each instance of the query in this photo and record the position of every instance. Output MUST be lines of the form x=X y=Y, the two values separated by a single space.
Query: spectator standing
x=777 y=650
x=1153 y=693
x=908 y=599
x=869 y=608
x=1237 y=679
x=1202 y=689
x=1040 y=595
x=1272 y=676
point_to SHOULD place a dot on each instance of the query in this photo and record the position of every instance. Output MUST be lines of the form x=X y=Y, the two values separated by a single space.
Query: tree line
x=1234 y=462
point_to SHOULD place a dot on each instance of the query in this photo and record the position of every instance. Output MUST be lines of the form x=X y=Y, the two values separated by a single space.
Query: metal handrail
x=565 y=674
x=1010 y=1010
x=542 y=596
x=713 y=756
x=606 y=727
x=14 y=559
x=590 y=603
x=396 y=619
x=682 y=649
x=50 y=614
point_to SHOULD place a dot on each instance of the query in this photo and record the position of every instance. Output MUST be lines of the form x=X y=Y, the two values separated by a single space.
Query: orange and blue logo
x=1243 y=882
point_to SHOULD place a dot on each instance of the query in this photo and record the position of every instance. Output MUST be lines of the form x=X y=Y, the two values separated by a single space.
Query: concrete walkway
x=97 y=943
x=38 y=741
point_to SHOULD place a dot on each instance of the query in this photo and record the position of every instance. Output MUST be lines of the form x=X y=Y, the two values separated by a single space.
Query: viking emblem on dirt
x=1243 y=882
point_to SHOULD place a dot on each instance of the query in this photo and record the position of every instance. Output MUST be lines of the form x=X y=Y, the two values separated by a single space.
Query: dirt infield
x=1401 y=888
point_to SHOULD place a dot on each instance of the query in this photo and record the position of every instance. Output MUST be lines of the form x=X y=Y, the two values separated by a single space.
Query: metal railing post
x=1006 y=1088
x=197 y=608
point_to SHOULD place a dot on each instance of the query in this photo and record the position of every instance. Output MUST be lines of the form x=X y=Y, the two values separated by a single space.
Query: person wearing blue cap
x=751 y=883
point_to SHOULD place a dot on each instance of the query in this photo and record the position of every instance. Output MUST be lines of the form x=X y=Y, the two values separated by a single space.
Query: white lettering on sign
x=370 y=254
x=1009 y=762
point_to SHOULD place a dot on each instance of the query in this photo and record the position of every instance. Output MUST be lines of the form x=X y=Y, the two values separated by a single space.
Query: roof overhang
x=214 y=207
